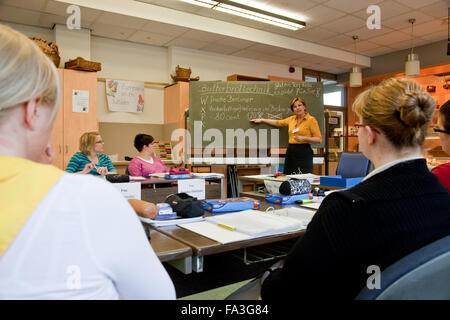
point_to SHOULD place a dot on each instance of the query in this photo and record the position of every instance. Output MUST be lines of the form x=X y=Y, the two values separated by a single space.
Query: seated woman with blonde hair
x=398 y=208
x=90 y=159
x=443 y=171
x=62 y=236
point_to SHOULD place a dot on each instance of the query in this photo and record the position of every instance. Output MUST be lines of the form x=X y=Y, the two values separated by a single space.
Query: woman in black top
x=397 y=209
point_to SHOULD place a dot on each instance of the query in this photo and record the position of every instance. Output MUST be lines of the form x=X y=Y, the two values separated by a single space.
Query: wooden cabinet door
x=77 y=123
x=57 y=134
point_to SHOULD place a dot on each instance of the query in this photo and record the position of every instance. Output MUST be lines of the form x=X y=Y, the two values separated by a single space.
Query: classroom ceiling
x=329 y=23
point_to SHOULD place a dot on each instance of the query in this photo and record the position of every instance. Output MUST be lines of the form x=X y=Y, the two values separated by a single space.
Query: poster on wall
x=125 y=96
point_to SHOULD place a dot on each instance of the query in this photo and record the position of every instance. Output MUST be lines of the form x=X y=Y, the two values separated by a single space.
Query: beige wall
x=119 y=137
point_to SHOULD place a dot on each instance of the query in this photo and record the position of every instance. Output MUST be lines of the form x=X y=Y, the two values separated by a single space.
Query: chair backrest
x=353 y=165
x=422 y=275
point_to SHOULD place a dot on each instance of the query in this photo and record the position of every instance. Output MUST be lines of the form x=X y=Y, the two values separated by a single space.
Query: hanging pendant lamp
x=355 y=73
x=412 y=65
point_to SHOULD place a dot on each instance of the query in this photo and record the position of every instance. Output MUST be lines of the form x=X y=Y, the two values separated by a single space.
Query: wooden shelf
x=240 y=77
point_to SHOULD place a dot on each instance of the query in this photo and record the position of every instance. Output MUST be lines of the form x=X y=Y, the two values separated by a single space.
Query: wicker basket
x=183 y=72
x=49 y=48
x=83 y=65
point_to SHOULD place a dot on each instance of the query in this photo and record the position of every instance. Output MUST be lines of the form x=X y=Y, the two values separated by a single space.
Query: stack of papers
x=133 y=178
x=312 y=178
x=171 y=222
x=207 y=175
x=161 y=175
x=248 y=224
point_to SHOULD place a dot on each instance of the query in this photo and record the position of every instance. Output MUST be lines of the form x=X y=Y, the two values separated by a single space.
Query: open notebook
x=248 y=224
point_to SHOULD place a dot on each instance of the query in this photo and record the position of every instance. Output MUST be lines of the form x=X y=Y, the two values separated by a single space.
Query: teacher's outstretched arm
x=268 y=121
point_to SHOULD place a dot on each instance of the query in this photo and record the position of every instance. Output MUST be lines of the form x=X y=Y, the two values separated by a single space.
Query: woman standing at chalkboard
x=303 y=130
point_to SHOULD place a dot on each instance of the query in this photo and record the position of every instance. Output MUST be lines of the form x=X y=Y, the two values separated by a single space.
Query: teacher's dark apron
x=299 y=159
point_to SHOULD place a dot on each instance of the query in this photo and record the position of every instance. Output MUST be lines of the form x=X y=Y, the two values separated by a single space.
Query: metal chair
x=422 y=275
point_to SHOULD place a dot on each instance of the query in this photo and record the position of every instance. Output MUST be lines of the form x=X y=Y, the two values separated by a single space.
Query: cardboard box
x=230 y=204
x=280 y=199
x=338 y=181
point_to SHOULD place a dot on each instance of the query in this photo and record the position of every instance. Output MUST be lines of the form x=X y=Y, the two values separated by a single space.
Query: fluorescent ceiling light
x=248 y=12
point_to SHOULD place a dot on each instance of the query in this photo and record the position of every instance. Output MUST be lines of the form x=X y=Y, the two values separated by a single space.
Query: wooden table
x=170 y=250
x=203 y=246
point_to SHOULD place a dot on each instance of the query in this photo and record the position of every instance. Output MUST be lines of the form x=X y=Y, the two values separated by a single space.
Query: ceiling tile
x=19 y=15
x=388 y=10
x=377 y=52
x=293 y=5
x=360 y=46
x=338 y=41
x=263 y=48
x=175 y=4
x=149 y=38
x=59 y=8
x=401 y=21
x=393 y=37
x=110 y=31
x=236 y=43
x=436 y=36
x=164 y=28
x=249 y=23
x=36 y=5
x=315 y=34
x=292 y=54
x=275 y=59
x=345 y=24
x=426 y=28
x=186 y=43
x=416 y=3
x=438 y=9
x=218 y=48
x=121 y=20
x=246 y=53
x=202 y=36
x=366 y=34
x=218 y=15
x=350 y=6
x=407 y=44
x=321 y=14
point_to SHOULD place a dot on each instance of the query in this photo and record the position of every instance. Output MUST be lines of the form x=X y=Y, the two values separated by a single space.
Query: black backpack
x=185 y=205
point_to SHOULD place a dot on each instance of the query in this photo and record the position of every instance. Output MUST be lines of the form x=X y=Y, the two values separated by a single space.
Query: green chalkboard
x=219 y=112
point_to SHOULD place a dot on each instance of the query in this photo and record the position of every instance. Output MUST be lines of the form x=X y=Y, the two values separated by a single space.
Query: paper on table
x=215 y=232
x=312 y=205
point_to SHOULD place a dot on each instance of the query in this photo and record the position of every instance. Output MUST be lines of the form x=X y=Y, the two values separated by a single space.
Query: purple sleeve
x=135 y=168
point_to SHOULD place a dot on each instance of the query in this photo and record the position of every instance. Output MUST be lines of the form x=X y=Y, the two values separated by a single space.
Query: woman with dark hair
x=398 y=208
x=145 y=163
x=443 y=171
x=303 y=130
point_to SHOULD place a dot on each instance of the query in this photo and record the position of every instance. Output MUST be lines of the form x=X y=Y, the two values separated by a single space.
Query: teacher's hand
x=256 y=120
x=300 y=138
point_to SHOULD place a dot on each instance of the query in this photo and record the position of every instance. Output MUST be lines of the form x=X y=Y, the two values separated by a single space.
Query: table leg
x=184 y=265
x=197 y=263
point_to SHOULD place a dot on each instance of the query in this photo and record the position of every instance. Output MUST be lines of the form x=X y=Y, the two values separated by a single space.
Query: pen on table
x=305 y=201
x=226 y=227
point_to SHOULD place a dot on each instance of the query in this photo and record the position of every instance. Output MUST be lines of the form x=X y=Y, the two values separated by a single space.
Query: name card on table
x=193 y=187
x=130 y=190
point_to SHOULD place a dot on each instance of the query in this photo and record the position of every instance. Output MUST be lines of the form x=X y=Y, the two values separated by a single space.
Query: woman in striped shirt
x=90 y=159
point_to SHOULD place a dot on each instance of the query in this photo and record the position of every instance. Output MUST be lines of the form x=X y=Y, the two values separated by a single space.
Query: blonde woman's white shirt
x=83 y=241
